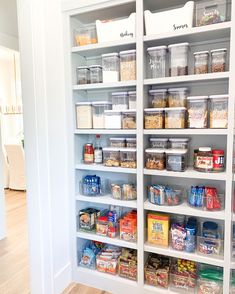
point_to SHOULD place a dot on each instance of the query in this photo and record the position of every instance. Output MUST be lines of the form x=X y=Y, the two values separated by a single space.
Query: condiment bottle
x=218 y=160
x=88 y=153
x=98 y=153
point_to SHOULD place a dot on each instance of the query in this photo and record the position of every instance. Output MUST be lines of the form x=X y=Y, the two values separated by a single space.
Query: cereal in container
x=175 y=118
x=218 y=60
x=158 y=98
x=111 y=156
x=201 y=62
x=177 y=97
x=128 y=157
x=129 y=119
x=197 y=112
x=218 y=111
x=154 y=118
x=128 y=65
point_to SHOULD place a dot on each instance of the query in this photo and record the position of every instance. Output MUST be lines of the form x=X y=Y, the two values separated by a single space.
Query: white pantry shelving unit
x=200 y=38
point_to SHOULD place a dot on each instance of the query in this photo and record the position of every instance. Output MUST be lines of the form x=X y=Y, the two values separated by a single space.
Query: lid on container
x=201 y=52
x=154 y=91
x=218 y=50
x=205 y=149
x=112 y=112
x=100 y=103
x=129 y=111
x=158 y=139
x=109 y=54
x=131 y=139
x=154 y=109
x=127 y=52
x=175 y=109
x=154 y=150
x=127 y=149
x=156 y=48
x=176 y=151
x=178 y=45
x=177 y=90
x=95 y=65
x=83 y=103
x=132 y=93
x=210 y=226
x=219 y=96
x=179 y=139
x=83 y=67
x=110 y=149
x=197 y=97
x=117 y=139
x=119 y=93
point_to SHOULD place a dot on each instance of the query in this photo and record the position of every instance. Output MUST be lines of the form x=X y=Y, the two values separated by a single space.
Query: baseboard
x=63 y=279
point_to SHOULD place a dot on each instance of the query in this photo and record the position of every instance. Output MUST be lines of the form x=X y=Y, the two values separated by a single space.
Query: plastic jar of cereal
x=218 y=60
x=129 y=119
x=158 y=98
x=154 y=118
x=218 y=111
x=175 y=118
x=128 y=65
x=128 y=157
x=178 y=59
x=177 y=97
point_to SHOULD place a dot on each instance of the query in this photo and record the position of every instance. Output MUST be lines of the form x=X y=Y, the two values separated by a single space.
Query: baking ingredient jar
x=129 y=119
x=218 y=60
x=159 y=143
x=98 y=113
x=95 y=74
x=113 y=119
x=84 y=115
x=218 y=160
x=175 y=118
x=128 y=65
x=178 y=59
x=158 y=98
x=197 y=112
x=110 y=65
x=154 y=118
x=204 y=160
x=176 y=160
x=157 y=61
x=218 y=111
x=201 y=62
x=132 y=99
x=83 y=75
x=177 y=97
x=88 y=153
x=119 y=100
x=155 y=159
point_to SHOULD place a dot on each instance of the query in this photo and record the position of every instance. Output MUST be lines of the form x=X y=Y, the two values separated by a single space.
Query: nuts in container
x=177 y=97
x=111 y=156
x=129 y=119
x=154 y=118
x=128 y=157
x=201 y=62
x=175 y=118
x=218 y=60
x=155 y=159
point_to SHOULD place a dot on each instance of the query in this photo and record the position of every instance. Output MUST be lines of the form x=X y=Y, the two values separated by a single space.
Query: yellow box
x=158 y=229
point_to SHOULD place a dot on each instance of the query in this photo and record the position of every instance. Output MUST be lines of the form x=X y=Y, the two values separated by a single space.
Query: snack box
x=158 y=229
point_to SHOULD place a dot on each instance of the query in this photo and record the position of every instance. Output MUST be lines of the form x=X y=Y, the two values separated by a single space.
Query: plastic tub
x=85 y=35
x=154 y=118
x=128 y=157
x=132 y=99
x=218 y=111
x=83 y=75
x=158 y=98
x=201 y=62
x=157 y=61
x=176 y=160
x=175 y=118
x=210 y=286
x=84 y=115
x=123 y=191
x=177 y=97
x=178 y=59
x=129 y=119
x=120 y=100
x=131 y=142
x=218 y=60
x=159 y=143
x=111 y=156
x=179 y=143
x=110 y=64
x=128 y=65
x=99 y=113
x=117 y=142
x=113 y=119
x=161 y=195
x=155 y=159
x=197 y=112
x=95 y=74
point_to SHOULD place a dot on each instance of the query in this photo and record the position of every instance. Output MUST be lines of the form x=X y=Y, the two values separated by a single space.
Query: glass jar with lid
x=203 y=161
x=83 y=75
x=128 y=65
x=157 y=61
x=201 y=62
x=120 y=100
x=95 y=74
x=178 y=59
x=158 y=98
x=177 y=97
x=218 y=60
x=99 y=108
x=218 y=111
x=110 y=65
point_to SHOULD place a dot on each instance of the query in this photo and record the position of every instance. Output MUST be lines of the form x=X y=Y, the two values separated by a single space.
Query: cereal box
x=158 y=229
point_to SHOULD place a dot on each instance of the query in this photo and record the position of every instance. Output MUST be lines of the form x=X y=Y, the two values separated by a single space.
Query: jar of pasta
x=154 y=118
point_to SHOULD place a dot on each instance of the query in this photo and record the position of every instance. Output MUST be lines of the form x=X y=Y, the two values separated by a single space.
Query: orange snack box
x=158 y=229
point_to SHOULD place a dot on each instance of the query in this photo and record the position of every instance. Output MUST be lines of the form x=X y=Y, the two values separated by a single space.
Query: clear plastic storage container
x=123 y=191
x=131 y=142
x=84 y=115
x=179 y=143
x=177 y=97
x=111 y=156
x=85 y=35
x=211 y=12
x=95 y=74
x=176 y=160
x=210 y=286
x=128 y=65
x=117 y=142
x=120 y=100
x=218 y=60
x=128 y=157
x=154 y=118
x=110 y=64
x=158 y=98
x=197 y=112
x=129 y=119
x=201 y=62
x=132 y=99
x=98 y=113
x=218 y=111
x=159 y=143
x=83 y=75
x=113 y=119
x=155 y=159
x=178 y=59
x=165 y=195
x=157 y=61
x=175 y=118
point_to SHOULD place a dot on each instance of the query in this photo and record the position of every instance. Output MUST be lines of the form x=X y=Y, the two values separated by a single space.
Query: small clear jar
x=179 y=143
x=117 y=142
x=129 y=119
x=158 y=98
x=128 y=157
x=177 y=97
x=218 y=111
x=95 y=74
x=197 y=112
x=85 y=35
x=111 y=156
x=83 y=115
x=120 y=100
x=155 y=159
x=132 y=99
x=161 y=143
x=218 y=60
x=201 y=62
x=176 y=160
x=128 y=65
x=99 y=113
x=113 y=119
x=110 y=65
x=178 y=59
x=175 y=118
x=83 y=75
x=154 y=118
x=131 y=142
x=157 y=61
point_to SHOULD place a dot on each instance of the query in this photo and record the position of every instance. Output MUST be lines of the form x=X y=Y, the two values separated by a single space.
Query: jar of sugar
x=111 y=67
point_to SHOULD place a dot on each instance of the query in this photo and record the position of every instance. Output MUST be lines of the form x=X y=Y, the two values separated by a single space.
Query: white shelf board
x=97 y=167
x=185 y=209
x=107 y=199
x=196 y=34
x=112 y=241
x=179 y=254
x=189 y=78
x=189 y=173
x=186 y=132
x=102 y=48
x=101 y=86
x=104 y=131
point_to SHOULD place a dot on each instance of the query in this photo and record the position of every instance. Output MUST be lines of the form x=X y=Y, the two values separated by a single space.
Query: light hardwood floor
x=14 y=267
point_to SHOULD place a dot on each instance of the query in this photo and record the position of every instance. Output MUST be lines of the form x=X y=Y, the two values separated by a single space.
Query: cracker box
x=158 y=229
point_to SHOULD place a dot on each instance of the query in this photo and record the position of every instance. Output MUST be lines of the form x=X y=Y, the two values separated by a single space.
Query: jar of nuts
x=154 y=118
x=201 y=62
x=111 y=156
x=158 y=98
x=218 y=60
x=128 y=157
x=155 y=159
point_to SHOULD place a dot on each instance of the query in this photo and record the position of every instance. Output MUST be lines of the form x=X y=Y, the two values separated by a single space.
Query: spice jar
x=83 y=75
x=120 y=100
x=175 y=117
x=178 y=59
x=128 y=157
x=88 y=153
x=218 y=60
x=158 y=98
x=176 y=160
x=203 y=160
x=157 y=61
x=99 y=108
x=218 y=111
x=155 y=159
x=110 y=64
x=177 y=97
x=154 y=118
x=84 y=115
x=95 y=74
x=128 y=65
x=218 y=160
x=201 y=62
x=132 y=99
x=197 y=112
